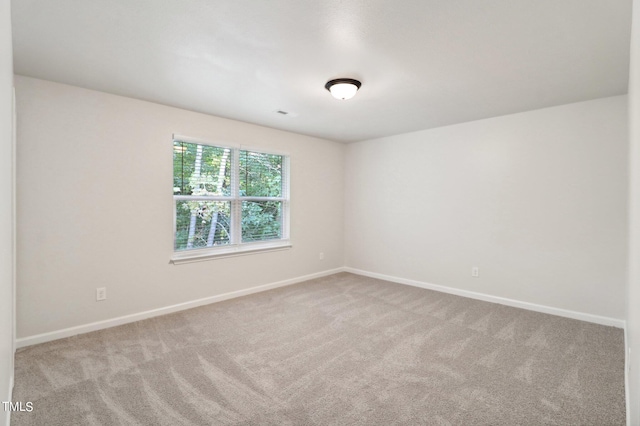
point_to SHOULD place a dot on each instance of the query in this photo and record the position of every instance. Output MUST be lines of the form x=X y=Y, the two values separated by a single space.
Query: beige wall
x=6 y=207
x=536 y=200
x=95 y=207
x=633 y=298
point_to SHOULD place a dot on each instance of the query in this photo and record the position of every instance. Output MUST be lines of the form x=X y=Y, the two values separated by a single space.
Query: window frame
x=235 y=247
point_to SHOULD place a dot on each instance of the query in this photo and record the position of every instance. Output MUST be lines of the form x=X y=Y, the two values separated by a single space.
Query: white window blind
x=228 y=199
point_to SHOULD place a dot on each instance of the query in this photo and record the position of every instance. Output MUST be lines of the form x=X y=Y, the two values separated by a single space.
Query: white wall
x=6 y=207
x=633 y=299
x=95 y=207
x=536 y=200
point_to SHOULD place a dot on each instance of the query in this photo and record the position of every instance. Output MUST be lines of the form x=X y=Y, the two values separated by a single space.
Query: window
x=228 y=200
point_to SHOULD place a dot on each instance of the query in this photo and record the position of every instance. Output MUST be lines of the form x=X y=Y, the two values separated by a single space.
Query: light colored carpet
x=340 y=350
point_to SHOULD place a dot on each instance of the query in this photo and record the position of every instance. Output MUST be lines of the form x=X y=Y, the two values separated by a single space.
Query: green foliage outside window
x=206 y=171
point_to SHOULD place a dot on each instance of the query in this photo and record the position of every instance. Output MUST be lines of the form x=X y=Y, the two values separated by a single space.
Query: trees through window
x=228 y=197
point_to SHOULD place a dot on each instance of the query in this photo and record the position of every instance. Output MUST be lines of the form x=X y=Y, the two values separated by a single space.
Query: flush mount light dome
x=343 y=88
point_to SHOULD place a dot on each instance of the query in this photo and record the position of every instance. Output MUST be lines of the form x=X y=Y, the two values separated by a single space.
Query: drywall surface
x=95 y=207
x=633 y=298
x=6 y=208
x=537 y=201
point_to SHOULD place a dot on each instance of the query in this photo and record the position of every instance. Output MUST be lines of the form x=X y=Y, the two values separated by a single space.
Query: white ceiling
x=422 y=63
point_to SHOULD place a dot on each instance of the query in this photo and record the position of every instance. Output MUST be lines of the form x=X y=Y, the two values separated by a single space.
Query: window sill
x=200 y=255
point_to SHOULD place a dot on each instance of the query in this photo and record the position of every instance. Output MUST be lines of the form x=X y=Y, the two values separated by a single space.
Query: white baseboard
x=614 y=322
x=99 y=325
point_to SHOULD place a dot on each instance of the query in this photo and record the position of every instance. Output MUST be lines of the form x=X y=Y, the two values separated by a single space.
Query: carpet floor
x=338 y=350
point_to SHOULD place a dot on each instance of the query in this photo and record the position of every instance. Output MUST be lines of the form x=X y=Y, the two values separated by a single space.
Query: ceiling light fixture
x=343 y=88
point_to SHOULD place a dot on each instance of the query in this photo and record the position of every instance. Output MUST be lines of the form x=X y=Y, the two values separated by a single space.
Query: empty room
x=349 y=212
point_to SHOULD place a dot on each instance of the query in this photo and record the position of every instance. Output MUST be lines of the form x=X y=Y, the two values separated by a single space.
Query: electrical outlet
x=475 y=271
x=321 y=256
x=101 y=293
